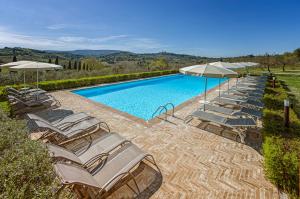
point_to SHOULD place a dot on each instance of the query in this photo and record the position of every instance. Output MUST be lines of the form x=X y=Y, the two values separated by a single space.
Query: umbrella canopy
x=208 y=70
x=223 y=64
x=17 y=63
x=36 y=66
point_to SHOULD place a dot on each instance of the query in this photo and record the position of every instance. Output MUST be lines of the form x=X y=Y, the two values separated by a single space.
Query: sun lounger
x=20 y=106
x=64 y=122
x=237 y=124
x=238 y=97
x=94 y=152
x=243 y=103
x=228 y=111
x=77 y=131
x=26 y=93
x=247 y=90
x=246 y=94
x=96 y=183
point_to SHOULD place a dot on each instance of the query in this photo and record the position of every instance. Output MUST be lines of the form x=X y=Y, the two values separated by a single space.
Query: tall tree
x=49 y=61
x=75 y=65
x=70 y=65
x=87 y=67
x=79 y=65
x=83 y=66
x=14 y=58
x=56 y=60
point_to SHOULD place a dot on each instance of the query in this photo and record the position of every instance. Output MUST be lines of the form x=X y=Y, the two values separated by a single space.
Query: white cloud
x=117 y=42
x=57 y=26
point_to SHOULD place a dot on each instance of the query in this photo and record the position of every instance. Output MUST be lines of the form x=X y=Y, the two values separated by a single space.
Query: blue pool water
x=142 y=97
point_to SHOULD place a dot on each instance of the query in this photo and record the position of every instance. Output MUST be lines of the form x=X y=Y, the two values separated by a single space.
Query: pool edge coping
x=138 y=120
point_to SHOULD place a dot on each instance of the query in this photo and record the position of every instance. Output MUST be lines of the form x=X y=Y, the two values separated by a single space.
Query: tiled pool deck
x=195 y=163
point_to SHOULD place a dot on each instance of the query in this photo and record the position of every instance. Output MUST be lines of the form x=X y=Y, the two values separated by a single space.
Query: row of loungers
x=237 y=109
x=91 y=169
x=29 y=100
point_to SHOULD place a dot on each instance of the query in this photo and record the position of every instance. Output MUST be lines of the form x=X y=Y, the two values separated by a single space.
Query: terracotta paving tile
x=195 y=163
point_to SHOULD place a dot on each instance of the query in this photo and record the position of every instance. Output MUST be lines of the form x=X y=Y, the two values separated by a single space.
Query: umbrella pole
x=24 y=78
x=37 y=77
x=228 y=86
x=219 y=87
x=205 y=93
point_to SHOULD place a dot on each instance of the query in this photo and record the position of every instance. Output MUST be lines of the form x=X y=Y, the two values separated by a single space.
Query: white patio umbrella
x=226 y=65
x=36 y=66
x=17 y=63
x=208 y=70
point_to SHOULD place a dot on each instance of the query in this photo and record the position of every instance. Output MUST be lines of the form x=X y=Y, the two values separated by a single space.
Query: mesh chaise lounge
x=64 y=122
x=91 y=153
x=96 y=183
x=239 y=97
x=234 y=112
x=27 y=94
x=239 y=125
x=242 y=103
x=20 y=105
x=64 y=136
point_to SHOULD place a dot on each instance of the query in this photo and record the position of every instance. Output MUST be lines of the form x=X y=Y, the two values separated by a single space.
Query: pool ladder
x=162 y=108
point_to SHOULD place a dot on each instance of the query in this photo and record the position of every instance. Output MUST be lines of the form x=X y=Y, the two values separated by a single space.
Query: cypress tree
x=75 y=65
x=49 y=61
x=56 y=60
x=70 y=65
x=87 y=67
x=83 y=66
x=15 y=58
x=79 y=65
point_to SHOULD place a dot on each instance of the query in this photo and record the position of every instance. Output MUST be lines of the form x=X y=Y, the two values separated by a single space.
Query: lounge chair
x=97 y=183
x=64 y=122
x=228 y=111
x=93 y=152
x=241 y=103
x=64 y=136
x=247 y=90
x=239 y=97
x=20 y=105
x=26 y=93
x=239 y=125
x=246 y=94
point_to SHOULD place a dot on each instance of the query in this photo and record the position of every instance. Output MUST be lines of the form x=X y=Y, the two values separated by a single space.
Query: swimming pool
x=142 y=97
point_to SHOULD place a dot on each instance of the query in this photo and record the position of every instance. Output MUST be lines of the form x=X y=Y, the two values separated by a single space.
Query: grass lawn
x=293 y=83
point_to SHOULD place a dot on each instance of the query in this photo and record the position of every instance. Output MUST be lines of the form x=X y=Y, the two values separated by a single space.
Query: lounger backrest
x=35 y=117
x=46 y=125
x=72 y=174
x=62 y=153
x=205 y=116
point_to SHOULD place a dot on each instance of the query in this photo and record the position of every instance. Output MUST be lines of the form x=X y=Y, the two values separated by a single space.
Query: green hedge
x=88 y=81
x=281 y=147
x=25 y=166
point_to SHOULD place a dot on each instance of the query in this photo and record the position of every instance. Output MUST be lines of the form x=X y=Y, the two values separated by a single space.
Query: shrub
x=281 y=163
x=25 y=166
x=88 y=81
x=281 y=146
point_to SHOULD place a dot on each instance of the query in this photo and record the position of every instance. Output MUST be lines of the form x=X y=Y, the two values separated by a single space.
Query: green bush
x=281 y=147
x=88 y=81
x=282 y=164
x=25 y=166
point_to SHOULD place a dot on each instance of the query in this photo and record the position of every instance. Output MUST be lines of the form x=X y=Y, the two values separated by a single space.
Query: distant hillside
x=95 y=53
x=6 y=55
x=111 y=57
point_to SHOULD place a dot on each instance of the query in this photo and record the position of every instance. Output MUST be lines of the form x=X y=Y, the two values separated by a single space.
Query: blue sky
x=198 y=27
